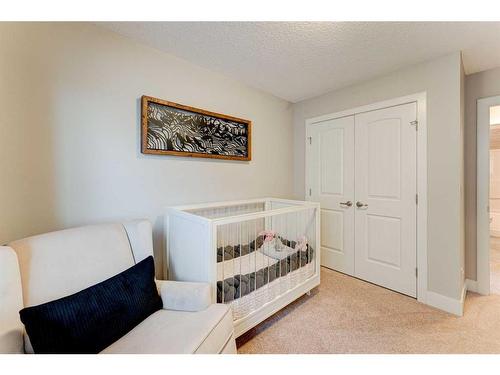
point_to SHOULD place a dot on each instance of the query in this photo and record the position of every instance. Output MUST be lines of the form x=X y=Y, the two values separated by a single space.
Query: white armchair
x=46 y=267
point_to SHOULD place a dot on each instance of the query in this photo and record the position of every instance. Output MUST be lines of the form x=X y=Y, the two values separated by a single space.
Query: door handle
x=360 y=204
x=347 y=204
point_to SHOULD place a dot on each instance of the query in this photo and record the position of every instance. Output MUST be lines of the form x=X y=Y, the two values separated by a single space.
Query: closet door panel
x=385 y=184
x=330 y=180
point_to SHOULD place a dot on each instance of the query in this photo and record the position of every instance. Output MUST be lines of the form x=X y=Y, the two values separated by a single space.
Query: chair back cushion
x=57 y=264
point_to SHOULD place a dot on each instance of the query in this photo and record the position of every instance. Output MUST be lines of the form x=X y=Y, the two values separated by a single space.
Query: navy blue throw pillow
x=89 y=321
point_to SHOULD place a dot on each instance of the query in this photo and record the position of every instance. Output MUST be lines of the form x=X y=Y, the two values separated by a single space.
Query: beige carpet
x=346 y=315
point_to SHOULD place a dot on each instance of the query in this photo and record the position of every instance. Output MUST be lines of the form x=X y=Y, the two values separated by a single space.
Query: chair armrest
x=184 y=296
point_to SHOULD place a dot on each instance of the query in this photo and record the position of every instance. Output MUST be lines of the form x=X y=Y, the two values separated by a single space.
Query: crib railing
x=262 y=255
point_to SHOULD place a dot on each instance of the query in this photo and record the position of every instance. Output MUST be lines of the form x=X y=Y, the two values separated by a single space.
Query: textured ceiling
x=299 y=60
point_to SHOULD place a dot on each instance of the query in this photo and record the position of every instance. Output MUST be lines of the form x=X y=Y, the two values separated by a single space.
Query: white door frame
x=421 y=100
x=483 y=192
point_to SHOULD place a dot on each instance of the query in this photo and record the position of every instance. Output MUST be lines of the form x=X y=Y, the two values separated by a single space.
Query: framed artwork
x=174 y=129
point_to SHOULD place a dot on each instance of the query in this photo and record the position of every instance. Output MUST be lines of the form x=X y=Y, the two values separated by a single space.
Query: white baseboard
x=471 y=285
x=448 y=304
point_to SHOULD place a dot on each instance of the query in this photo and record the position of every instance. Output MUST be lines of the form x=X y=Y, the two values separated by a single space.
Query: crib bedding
x=234 y=251
x=245 y=280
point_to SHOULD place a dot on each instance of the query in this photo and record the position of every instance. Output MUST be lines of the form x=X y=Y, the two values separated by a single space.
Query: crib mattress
x=243 y=265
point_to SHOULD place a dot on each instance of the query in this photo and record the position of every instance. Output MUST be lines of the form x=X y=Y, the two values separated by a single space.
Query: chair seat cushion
x=175 y=332
x=94 y=318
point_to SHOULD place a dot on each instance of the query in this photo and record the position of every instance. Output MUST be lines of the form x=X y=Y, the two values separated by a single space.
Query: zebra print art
x=173 y=129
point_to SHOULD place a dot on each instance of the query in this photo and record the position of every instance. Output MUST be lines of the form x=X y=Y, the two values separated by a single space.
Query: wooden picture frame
x=174 y=129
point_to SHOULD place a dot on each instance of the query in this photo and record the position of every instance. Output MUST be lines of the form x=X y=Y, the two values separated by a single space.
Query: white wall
x=70 y=132
x=479 y=85
x=441 y=79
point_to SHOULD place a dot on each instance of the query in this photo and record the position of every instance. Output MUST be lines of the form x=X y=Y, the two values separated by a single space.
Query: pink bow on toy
x=268 y=235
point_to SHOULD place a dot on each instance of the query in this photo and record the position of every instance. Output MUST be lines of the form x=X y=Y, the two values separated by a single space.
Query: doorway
x=366 y=168
x=488 y=200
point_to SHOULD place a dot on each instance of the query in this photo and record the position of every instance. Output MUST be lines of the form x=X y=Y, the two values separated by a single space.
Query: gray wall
x=479 y=85
x=70 y=132
x=441 y=79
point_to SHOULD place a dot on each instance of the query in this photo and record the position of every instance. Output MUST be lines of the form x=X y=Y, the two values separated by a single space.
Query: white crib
x=258 y=254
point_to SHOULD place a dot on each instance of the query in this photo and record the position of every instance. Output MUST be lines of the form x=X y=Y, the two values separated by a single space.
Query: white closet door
x=385 y=219
x=330 y=169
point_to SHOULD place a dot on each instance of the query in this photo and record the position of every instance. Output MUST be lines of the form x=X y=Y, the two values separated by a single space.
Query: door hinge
x=310 y=192
x=416 y=198
x=415 y=124
x=310 y=140
x=416 y=272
